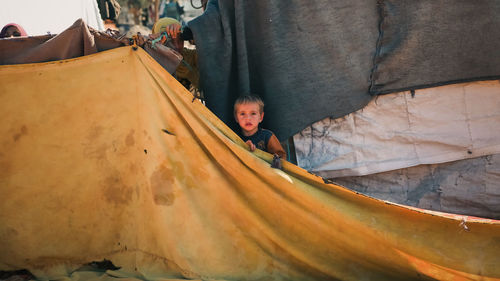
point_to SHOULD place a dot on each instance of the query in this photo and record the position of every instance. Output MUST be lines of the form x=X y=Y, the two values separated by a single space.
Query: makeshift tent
x=106 y=156
x=50 y=16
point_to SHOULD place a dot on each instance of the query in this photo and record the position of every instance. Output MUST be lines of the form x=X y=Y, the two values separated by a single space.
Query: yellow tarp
x=108 y=157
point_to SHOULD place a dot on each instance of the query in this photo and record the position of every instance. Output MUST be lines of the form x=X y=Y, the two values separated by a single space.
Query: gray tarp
x=307 y=59
x=313 y=59
x=431 y=43
x=468 y=186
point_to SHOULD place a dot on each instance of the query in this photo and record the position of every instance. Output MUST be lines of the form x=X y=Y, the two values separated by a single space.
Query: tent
x=80 y=134
x=107 y=157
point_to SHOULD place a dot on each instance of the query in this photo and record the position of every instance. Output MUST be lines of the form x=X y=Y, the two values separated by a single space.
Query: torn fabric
x=405 y=129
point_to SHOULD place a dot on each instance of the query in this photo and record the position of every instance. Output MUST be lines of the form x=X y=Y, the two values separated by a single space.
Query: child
x=249 y=112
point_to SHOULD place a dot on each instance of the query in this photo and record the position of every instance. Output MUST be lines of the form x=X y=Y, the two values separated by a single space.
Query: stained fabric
x=315 y=59
x=431 y=43
x=107 y=156
x=306 y=59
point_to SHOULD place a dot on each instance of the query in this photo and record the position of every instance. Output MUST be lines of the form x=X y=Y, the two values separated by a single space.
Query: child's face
x=248 y=116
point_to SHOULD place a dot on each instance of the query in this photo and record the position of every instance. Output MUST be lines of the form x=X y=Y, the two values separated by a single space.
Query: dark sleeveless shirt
x=260 y=139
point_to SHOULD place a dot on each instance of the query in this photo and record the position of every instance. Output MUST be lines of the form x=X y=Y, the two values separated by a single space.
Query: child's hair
x=249 y=99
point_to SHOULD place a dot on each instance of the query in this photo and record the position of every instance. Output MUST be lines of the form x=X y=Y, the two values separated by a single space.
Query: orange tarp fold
x=107 y=156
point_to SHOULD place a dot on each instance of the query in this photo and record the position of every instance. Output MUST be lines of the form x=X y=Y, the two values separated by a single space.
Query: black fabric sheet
x=319 y=58
x=306 y=59
x=436 y=42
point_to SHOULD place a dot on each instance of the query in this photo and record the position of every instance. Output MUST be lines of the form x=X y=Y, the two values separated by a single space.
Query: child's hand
x=173 y=30
x=251 y=146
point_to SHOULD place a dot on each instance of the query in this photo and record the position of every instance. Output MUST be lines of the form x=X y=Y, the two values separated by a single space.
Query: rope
x=163 y=37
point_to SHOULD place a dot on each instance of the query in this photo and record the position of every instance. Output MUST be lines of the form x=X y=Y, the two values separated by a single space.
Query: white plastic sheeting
x=401 y=130
x=50 y=16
